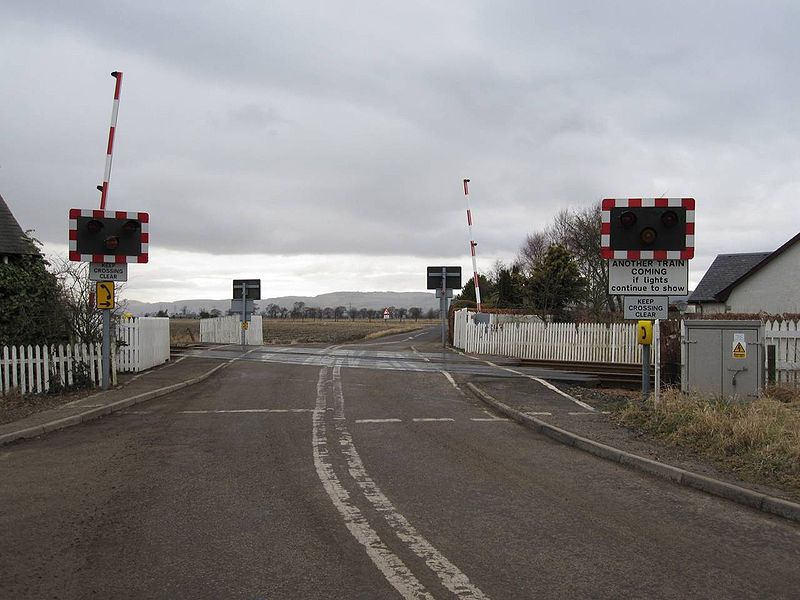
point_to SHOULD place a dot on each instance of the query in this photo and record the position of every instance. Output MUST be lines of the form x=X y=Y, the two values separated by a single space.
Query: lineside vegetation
x=759 y=440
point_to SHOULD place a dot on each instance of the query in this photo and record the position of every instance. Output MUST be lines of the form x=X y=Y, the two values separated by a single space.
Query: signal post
x=648 y=243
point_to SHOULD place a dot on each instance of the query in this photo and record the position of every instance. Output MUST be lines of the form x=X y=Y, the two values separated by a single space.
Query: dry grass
x=291 y=331
x=759 y=440
x=184 y=331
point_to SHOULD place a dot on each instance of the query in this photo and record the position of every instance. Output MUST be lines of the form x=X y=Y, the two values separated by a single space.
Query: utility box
x=722 y=358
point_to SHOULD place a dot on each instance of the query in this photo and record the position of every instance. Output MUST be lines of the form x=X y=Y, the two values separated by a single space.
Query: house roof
x=729 y=270
x=12 y=238
x=724 y=271
x=723 y=294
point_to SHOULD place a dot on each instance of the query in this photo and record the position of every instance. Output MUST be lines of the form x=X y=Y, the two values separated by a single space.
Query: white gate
x=37 y=369
x=228 y=330
x=143 y=343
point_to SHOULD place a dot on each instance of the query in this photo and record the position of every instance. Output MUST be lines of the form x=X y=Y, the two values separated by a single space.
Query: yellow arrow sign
x=104 y=295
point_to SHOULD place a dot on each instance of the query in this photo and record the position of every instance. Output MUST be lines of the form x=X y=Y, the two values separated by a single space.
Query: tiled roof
x=12 y=238
x=725 y=270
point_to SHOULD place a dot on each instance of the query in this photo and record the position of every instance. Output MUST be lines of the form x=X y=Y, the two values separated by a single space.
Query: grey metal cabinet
x=722 y=358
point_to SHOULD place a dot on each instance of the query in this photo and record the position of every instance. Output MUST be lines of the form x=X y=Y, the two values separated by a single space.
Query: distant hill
x=374 y=300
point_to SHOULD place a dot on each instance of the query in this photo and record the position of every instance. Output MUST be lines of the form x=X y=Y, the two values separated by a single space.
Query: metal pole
x=244 y=314
x=110 y=149
x=442 y=309
x=106 y=363
x=645 y=372
x=472 y=244
x=657 y=361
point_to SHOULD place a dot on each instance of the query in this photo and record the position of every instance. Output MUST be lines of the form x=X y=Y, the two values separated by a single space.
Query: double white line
x=329 y=387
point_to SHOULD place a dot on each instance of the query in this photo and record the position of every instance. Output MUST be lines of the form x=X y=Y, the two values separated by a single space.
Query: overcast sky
x=320 y=146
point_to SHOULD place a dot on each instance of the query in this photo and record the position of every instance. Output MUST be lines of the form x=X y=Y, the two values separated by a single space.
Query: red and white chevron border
x=142 y=217
x=605 y=228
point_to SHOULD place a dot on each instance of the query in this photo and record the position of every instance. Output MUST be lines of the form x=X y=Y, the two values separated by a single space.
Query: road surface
x=361 y=471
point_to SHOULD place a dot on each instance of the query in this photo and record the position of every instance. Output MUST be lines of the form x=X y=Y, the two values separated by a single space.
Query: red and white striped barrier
x=472 y=244
x=110 y=150
x=605 y=228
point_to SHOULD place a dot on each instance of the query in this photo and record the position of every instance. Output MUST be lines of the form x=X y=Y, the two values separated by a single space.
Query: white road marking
x=136 y=412
x=395 y=571
x=450 y=576
x=546 y=384
x=491 y=419
x=542 y=414
x=451 y=380
x=379 y=420
x=246 y=410
x=431 y=419
x=605 y=412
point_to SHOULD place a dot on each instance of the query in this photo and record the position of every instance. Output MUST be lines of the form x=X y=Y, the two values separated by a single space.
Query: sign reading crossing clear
x=648 y=277
x=108 y=272
x=646 y=307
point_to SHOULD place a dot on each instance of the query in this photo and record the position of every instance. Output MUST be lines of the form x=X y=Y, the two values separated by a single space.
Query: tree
x=556 y=283
x=338 y=312
x=32 y=303
x=298 y=310
x=414 y=313
x=468 y=291
x=401 y=313
x=579 y=232
x=352 y=313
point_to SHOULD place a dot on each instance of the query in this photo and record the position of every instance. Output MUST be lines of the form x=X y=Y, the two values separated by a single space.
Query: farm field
x=305 y=331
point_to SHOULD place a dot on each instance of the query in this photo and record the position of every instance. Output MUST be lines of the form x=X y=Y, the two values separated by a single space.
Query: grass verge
x=758 y=440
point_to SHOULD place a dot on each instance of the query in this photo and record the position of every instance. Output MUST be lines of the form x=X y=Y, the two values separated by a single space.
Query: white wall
x=774 y=289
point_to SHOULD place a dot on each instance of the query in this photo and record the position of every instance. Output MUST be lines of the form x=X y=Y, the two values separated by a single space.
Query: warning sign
x=739 y=346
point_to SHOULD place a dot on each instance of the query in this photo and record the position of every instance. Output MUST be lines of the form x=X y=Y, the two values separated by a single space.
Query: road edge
x=747 y=497
x=100 y=411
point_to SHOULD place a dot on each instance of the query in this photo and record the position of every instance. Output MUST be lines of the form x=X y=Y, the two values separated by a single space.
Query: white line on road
x=490 y=420
x=246 y=410
x=431 y=419
x=395 y=571
x=541 y=414
x=546 y=384
x=450 y=576
x=379 y=420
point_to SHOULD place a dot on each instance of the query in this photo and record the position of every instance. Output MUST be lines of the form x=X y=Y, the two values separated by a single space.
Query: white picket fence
x=582 y=342
x=228 y=330
x=785 y=336
x=35 y=369
x=144 y=343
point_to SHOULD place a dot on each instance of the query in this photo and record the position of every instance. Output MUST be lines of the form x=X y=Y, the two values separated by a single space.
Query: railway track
x=602 y=374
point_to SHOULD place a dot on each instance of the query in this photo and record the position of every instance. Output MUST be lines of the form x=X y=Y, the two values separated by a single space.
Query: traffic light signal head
x=108 y=236
x=647 y=228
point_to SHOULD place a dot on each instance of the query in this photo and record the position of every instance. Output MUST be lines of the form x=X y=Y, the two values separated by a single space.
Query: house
x=13 y=241
x=753 y=282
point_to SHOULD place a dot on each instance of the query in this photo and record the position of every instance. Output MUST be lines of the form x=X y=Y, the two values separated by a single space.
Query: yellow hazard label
x=739 y=350
x=245 y=324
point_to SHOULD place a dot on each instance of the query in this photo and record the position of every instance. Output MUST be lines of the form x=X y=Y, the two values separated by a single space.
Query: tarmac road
x=309 y=479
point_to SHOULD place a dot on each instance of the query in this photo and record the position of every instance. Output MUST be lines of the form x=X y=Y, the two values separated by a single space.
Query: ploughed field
x=305 y=331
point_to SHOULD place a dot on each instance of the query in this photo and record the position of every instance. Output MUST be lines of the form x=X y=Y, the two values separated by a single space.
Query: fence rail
x=584 y=342
x=785 y=337
x=37 y=369
x=599 y=342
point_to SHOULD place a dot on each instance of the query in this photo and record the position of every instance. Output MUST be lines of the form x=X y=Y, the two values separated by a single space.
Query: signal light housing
x=647 y=228
x=108 y=236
